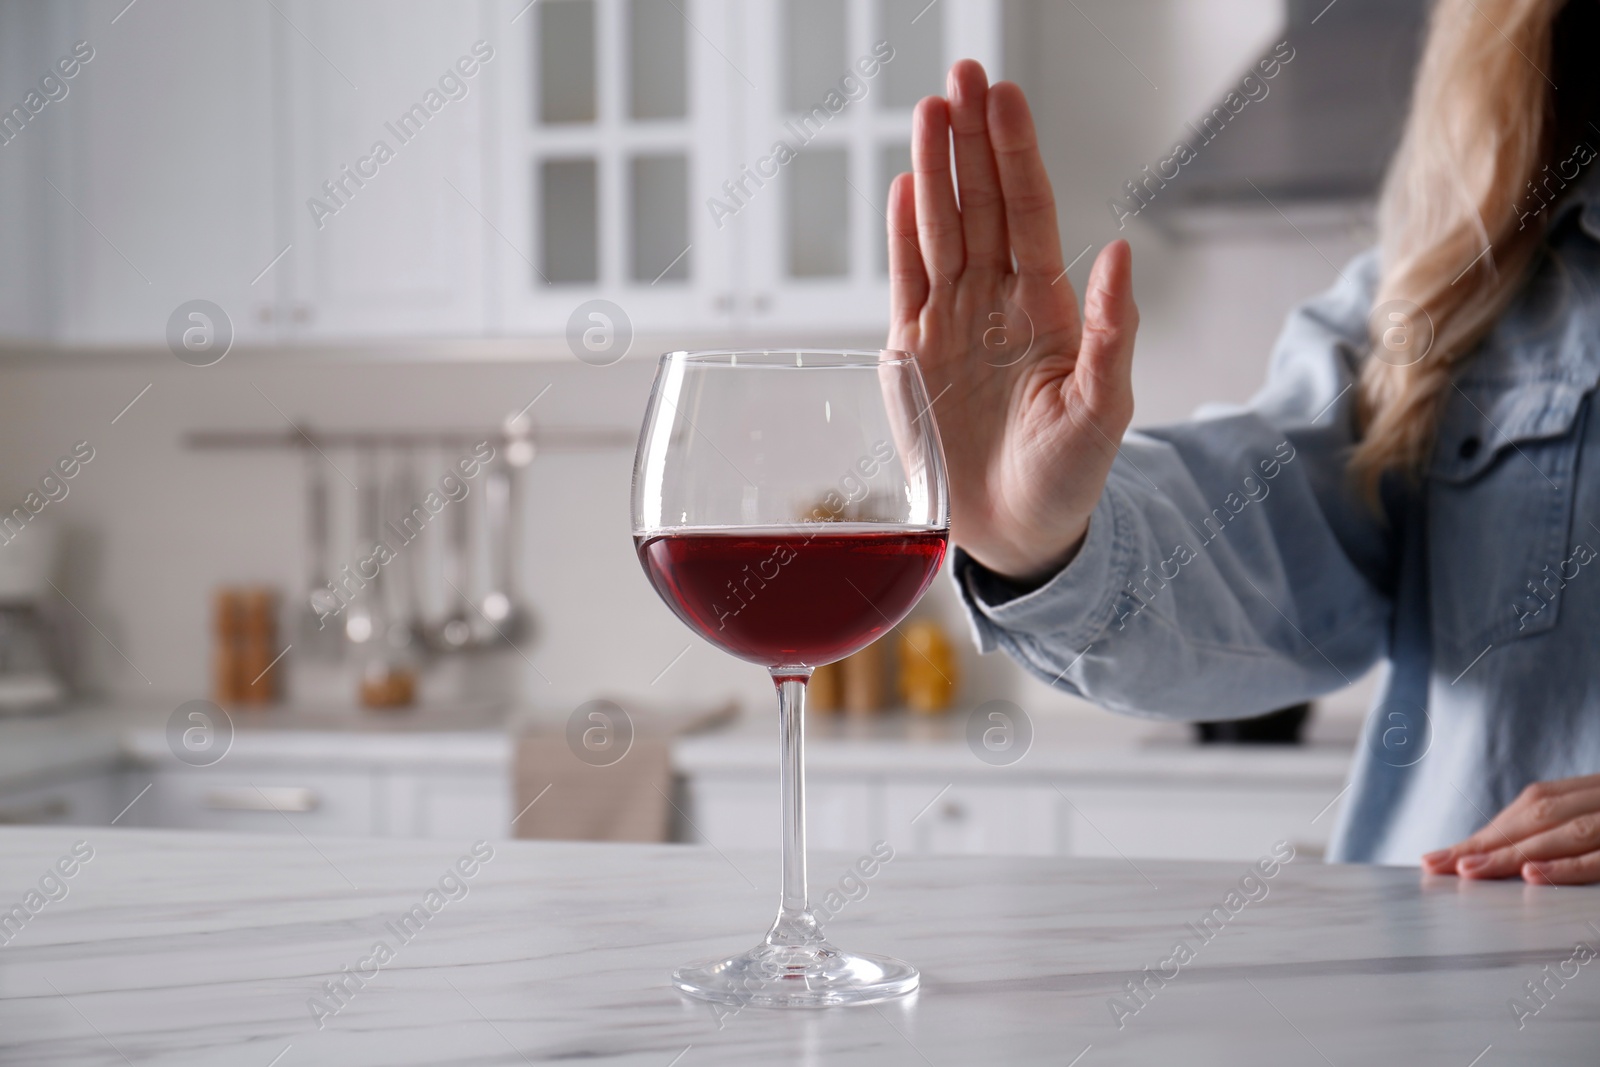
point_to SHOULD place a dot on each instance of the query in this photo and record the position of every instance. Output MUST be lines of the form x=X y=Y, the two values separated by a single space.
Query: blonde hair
x=1456 y=238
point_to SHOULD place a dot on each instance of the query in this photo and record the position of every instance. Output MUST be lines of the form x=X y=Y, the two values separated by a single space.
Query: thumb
x=1104 y=369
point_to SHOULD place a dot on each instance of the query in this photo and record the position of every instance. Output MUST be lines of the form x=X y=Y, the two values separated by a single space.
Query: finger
x=1540 y=807
x=1030 y=206
x=983 y=216
x=1499 y=863
x=1574 y=837
x=938 y=218
x=908 y=280
x=1104 y=371
x=1574 y=870
x=1440 y=862
x=1537 y=808
x=1563 y=786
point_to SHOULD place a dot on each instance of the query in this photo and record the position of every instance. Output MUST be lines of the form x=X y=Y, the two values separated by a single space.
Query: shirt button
x=1469 y=448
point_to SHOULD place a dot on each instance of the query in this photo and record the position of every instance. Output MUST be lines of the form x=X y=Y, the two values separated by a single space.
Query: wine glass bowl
x=791 y=506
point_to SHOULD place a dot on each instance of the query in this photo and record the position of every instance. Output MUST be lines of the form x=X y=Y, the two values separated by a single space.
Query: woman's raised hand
x=1030 y=399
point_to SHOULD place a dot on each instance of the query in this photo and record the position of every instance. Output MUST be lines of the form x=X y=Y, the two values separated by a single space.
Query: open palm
x=1030 y=399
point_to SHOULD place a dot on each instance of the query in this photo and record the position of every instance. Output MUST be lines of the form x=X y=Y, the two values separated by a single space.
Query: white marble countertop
x=188 y=949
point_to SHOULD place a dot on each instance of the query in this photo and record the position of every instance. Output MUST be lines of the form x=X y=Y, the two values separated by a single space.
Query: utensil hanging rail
x=547 y=438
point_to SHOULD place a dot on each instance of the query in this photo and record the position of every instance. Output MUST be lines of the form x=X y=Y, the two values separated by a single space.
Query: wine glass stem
x=795 y=921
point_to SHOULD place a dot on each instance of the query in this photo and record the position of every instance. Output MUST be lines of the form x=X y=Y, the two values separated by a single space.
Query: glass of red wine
x=791 y=507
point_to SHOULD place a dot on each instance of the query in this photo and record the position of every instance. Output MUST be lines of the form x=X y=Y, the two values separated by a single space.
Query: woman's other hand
x=1550 y=835
x=1030 y=399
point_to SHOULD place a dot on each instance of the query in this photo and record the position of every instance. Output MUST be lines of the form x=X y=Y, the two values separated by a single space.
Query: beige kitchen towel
x=605 y=775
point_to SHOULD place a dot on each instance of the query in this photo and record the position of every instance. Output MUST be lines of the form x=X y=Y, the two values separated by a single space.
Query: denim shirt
x=1230 y=567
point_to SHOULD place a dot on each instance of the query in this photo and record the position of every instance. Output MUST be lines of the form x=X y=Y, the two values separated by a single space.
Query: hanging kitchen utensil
x=388 y=676
x=519 y=454
x=454 y=632
x=319 y=632
x=407 y=632
x=503 y=618
x=361 y=617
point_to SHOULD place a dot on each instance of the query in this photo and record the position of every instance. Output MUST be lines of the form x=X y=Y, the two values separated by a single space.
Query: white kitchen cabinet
x=928 y=817
x=1216 y=822
x=156 y=178
x=382 y=181
x=188 y=149
x=441 y=804
x=279 y=800
x=624 y=150
x=1028 y=815
x=359 y=793
x=286 y=797
x=28 y=289
x=674 y=201
x=291 y=772
x=613 y=115
x=811 y=243
x=1091 y=786
x=88 y=799
x=741 y=811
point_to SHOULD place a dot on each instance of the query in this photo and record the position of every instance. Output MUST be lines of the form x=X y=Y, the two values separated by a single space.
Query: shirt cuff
x=1074 y=606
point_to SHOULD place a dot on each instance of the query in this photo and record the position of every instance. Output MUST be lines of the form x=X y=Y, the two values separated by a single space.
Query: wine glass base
x=815 y=975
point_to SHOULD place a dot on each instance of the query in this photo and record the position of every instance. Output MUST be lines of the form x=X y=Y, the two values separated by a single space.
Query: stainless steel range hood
x=1324 y=133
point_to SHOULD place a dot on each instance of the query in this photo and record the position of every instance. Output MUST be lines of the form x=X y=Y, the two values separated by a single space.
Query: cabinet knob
x=723 y=303
x=301 y=313
x=265 y=314
x=952 y=811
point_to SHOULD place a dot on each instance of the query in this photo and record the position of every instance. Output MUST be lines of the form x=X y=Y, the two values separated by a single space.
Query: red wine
x=792 y=596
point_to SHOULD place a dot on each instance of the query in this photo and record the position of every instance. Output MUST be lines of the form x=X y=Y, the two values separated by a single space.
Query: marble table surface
x=182 y=949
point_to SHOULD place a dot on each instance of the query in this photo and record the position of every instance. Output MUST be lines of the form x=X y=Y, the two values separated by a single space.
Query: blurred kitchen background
x=267 y=334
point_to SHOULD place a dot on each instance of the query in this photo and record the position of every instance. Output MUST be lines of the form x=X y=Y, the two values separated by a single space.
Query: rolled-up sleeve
x=1230 y=566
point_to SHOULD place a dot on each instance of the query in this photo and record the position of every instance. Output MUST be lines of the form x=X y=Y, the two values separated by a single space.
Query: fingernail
x=1436 y=857
x=1472 y=863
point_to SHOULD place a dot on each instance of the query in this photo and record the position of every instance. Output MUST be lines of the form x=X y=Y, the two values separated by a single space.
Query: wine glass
x=791 y=508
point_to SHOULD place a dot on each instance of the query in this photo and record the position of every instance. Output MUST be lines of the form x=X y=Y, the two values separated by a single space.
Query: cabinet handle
x=1308 y=850
x=54 y=808
x=264 y=798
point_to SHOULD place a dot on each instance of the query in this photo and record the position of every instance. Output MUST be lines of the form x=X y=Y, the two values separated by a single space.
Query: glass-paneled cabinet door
x=824 y=129
x=612 y=113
